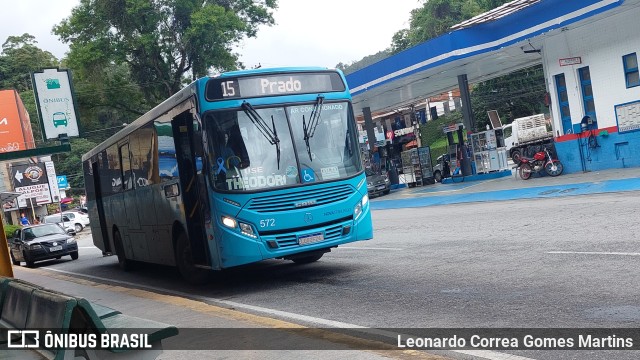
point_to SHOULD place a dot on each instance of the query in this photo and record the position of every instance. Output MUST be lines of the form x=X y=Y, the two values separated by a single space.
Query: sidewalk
x=512 y=188
x=189 y=315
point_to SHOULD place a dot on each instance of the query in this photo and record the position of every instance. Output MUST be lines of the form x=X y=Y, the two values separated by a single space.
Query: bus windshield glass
x=272 y=147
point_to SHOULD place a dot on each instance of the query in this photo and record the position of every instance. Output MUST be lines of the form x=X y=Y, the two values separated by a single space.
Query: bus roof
x=184 y=94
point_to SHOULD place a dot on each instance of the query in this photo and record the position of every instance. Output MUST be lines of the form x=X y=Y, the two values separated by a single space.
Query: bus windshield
x=272 y=147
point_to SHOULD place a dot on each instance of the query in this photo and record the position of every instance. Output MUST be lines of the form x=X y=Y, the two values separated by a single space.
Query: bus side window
x=127 y=183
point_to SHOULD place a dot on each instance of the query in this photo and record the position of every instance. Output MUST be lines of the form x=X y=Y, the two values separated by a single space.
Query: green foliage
x=515 y=95
x=162 y=42
x=20 y=56
x=70 y=164
x=436 y=17
x=431 y=133
x=364 y=62
x=10 y=229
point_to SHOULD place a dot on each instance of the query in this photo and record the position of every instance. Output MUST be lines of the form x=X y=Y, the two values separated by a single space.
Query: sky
x=307 y=32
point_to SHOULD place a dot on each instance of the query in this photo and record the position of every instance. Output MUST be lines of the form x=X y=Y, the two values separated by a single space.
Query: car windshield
x=244 y=156
x=44 y=230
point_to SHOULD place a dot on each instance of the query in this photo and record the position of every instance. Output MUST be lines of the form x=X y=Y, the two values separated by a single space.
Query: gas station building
x=589 y=53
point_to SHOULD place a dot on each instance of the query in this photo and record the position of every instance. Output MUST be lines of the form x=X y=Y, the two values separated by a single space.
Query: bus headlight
x=358 y=209
x=247 y=230
x=229 y=222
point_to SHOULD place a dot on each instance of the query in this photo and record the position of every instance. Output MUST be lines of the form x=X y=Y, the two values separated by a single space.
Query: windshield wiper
x=270 y=133
x=310 y=129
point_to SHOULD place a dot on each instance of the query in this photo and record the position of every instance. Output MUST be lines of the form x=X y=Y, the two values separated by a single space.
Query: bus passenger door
x=192 y=184
x=97 y=186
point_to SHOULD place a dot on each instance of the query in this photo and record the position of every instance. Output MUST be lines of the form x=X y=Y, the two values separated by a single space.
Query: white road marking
x=368 y=248
x=485 y=354
x=595 y=253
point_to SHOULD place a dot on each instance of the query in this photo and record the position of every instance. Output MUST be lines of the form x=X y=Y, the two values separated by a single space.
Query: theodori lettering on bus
x=252 y=179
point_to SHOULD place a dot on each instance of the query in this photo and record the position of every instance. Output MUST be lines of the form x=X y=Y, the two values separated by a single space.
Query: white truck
x=526 y=136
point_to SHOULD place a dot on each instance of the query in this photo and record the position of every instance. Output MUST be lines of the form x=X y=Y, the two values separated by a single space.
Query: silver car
x=377 y=184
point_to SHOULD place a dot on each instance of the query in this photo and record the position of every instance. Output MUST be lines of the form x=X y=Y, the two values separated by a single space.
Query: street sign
x=55 y=101
x=62 y=182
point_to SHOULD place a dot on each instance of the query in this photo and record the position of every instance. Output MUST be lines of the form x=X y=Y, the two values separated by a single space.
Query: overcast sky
x=307 y=32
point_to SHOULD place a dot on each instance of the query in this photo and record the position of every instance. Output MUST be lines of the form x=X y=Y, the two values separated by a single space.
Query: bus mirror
x=171 y=190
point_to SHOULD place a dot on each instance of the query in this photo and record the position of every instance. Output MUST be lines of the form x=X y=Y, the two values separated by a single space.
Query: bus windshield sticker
x=292 y=171
x=329 y=173
x=308 y=176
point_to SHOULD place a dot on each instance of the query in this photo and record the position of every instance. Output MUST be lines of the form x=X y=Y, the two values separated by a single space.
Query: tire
x=30 y=263
x=13 y=260
x=184 y=262
x=386 y=192
x=123 y=262
x=515 y=156
x=437 y=176
x=525 y=171
x=74 y=255
x=549 y=168
x=58 y=257
x=78 y=227
x=308 y=259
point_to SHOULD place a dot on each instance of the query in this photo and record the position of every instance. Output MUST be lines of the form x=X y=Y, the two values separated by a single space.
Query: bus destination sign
x=273 y=85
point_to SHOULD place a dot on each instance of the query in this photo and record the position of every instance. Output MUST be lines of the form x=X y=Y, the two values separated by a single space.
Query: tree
x=20 y=56
x=70 y=164
x=520 y=93
x=162 y=41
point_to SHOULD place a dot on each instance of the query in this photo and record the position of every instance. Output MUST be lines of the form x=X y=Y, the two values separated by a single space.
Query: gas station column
x=368 y=125
x=467 y=114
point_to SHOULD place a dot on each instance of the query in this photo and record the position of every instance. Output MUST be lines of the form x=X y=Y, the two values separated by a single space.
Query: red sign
x=570 y=61
x=390 y=135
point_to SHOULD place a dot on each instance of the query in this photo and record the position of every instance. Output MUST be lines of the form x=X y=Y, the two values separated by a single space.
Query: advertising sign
x=53 y=180
x=31 y=181
x=55 y=101
x=570 y=61
x=628 y=116
x=15 y=127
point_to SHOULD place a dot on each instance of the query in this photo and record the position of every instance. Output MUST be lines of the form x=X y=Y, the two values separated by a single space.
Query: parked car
x=68 y=218
x=377 y=184
x=442 y=168
x=41 y=242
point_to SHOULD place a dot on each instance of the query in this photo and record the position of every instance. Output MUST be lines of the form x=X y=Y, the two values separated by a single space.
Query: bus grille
x=291 y=239
x=300 y=199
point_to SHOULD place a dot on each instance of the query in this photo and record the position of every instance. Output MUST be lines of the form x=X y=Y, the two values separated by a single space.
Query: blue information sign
x=62 y=182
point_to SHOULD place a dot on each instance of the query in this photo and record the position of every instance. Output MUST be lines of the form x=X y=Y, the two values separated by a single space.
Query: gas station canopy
x=489 y=45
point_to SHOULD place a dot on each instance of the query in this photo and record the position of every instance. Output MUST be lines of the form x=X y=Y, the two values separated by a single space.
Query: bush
x=10 y=229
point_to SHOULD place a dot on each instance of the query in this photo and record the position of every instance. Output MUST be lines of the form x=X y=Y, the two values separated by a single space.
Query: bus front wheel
x=307 y=259
x=184 y=261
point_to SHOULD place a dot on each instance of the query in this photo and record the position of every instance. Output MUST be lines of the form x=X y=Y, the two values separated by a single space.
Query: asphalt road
x=564 y=262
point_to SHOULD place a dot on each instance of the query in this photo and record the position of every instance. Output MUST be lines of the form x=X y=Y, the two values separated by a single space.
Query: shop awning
x=412 y=144
x=66 y=200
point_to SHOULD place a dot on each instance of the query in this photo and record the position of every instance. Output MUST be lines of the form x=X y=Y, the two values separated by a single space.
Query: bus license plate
x=310 y=239
x=55 y=248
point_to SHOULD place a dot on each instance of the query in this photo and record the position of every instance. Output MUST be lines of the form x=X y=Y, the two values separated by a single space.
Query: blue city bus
x=233 y=169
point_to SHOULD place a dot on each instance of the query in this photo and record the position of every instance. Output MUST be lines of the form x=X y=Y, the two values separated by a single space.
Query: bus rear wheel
x=124 y=263
x=184 y=261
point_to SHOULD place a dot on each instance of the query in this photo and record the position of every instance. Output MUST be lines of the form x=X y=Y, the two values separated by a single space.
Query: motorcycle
x=541 y=160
